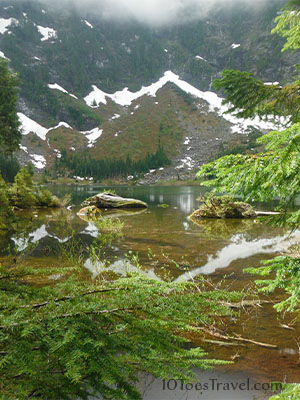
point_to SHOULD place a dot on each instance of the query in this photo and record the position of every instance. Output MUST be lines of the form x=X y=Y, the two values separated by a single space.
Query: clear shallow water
x=212 y=247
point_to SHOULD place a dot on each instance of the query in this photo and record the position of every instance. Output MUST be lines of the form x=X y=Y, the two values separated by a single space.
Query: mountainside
x=74 y=71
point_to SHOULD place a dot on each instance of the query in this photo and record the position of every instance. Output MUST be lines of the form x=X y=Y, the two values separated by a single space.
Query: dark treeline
x=9 y=166
x=87 y=166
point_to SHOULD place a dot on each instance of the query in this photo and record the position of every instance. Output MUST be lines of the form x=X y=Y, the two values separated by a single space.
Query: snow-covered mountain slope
x=74 y=52
x=190 y=123
x=98 y=88
x=125 y=98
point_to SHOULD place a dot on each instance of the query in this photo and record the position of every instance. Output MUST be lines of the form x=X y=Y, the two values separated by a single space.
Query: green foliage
x=108 y=225
x=10 y=135
x=5 y=209
x=290 y=392
x=222 y=207
x=23 y=194
x=248 y=146
x=274 y=172
x=248 y=96
x=261 y=177
x=80 y=338
x=288 y=25
x=9 y=166
x=287 y=277
x=87 y=166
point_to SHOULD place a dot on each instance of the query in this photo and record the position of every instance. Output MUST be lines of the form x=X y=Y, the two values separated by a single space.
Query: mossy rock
x=109 y=200
x=223 y=207
x=90 y=211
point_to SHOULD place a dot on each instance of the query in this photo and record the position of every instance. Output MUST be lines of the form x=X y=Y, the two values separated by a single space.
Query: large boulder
x=223 y=207
x=111 y=200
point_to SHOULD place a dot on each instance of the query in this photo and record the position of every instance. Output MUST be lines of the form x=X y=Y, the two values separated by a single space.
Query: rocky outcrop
x=110 y=200
x=223 y=207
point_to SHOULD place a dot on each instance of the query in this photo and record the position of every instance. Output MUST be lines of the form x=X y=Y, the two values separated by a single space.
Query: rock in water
x=109 y=200
x=223 y=207
x=90 y=211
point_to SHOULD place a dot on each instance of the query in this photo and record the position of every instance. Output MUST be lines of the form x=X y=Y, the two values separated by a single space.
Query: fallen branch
x=219 y=343
x=266 y=213
x=236 y=338
x=245 y=303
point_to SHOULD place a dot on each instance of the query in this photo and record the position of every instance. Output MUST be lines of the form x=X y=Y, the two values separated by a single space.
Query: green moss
x=222 y=207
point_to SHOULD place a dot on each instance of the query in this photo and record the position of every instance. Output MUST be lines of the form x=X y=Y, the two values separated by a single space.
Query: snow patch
x=125 y=98
x=271 y=83
x=28 y=125
x=78 y=178
x=58 y=153
x=5 y=23
x=2 y=55
x=55 y=86
x=47 y=33
x=96 y=97
x=64 y=124
x=92 y=136
x=186 y=162
x=24 y=148
x=89 y=24
x=200 y=58
x=38 y=161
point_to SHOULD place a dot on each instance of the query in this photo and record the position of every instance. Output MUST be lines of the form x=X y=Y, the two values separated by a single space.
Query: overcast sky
x=153 y=12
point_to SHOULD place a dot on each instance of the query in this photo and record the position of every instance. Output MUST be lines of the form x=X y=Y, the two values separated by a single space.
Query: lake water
x=216 y=248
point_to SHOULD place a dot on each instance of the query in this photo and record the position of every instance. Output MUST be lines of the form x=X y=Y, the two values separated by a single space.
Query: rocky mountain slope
x=97 y=87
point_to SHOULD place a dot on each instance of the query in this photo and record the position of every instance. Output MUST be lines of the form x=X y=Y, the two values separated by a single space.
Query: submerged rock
x=223 y=207
x=89 y=211
x=110 y=200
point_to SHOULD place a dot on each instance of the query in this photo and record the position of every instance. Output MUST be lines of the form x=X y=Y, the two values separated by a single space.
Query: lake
x=167 y=242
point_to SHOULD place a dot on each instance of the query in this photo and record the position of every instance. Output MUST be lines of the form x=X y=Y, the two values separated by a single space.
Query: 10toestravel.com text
x=215 y=384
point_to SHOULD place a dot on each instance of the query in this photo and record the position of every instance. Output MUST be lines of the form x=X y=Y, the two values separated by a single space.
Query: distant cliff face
x=68 y=64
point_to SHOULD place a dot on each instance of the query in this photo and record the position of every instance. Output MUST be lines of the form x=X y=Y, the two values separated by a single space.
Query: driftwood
x=245 y=303
x=109 y=200
x=220 y=343
x=266 y=213
x=236 y=338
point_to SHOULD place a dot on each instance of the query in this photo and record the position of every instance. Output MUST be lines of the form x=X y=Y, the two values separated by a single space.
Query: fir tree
x=79 y=338
x=10 y=135
x=274 y=172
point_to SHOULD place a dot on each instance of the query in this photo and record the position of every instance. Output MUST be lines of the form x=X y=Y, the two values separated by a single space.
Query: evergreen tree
x=21 y=192
x=10 y=135
x=78 y=338
x=5 y=210
x=274 y=172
